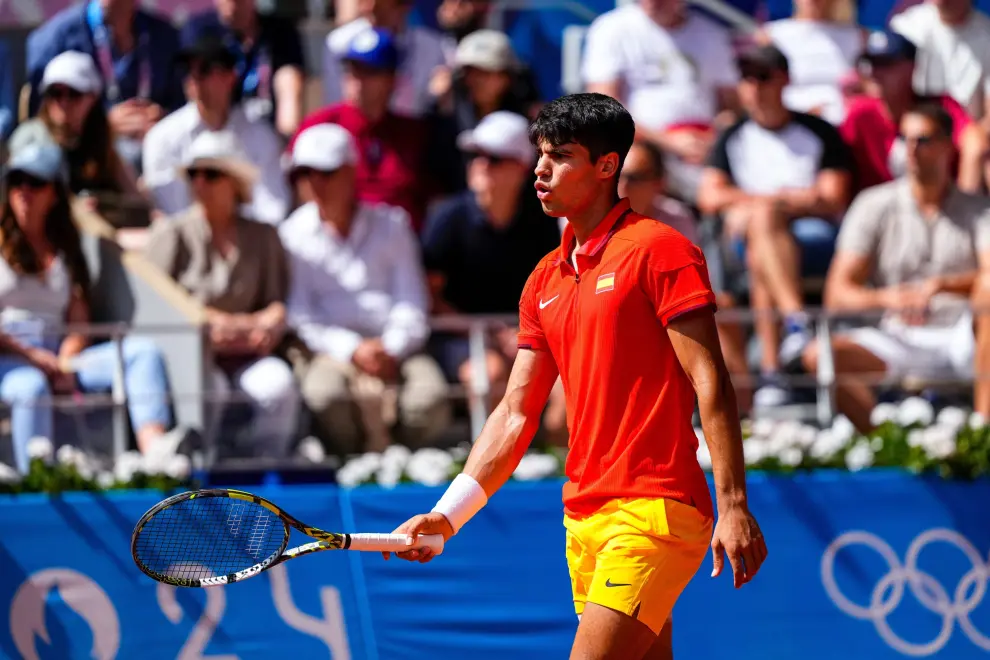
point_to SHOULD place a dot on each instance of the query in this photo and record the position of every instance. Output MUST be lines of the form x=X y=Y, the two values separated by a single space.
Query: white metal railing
x=479 y=390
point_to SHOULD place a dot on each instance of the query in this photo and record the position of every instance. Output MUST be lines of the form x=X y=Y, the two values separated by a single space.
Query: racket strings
x=209 y=537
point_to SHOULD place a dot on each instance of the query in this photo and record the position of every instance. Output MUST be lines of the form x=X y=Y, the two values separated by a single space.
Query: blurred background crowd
x=350 y=213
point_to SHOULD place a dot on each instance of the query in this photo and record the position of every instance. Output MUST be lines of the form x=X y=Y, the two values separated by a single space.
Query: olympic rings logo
x=928 y=591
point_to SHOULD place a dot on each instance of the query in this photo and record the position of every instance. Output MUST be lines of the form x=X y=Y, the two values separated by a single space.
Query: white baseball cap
x=324 y=147
x=504 y=134
x=75 y=70
x=489 y=50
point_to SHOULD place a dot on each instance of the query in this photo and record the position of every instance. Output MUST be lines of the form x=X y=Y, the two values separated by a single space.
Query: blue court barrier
x=875 y=565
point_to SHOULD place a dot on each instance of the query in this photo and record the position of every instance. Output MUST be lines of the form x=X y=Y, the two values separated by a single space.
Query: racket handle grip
x=395 y=543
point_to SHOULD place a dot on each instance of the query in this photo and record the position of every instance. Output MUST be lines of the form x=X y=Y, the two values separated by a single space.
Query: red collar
x=599 y=237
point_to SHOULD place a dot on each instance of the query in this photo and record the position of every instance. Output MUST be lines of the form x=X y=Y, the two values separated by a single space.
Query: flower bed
x=953 y=443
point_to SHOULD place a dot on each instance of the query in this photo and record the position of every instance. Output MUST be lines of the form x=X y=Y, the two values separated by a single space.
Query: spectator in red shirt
x=870 y=127
x=394 y=161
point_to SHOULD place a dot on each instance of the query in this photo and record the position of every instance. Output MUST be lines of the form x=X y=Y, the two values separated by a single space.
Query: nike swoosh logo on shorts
x=544 y=304
x=609 y=583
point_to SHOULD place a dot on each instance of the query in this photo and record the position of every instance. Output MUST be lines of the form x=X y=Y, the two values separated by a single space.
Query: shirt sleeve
x=169 y=193
x=676 y=279
x=960 y=118
x=835 y=153
x=162 y=247
x=719 y=157
x=602 y=60
x=407 y=327
x=860 y=229
x=531 y=335
x=276 y=288
x=288 y=47
x=271 y=192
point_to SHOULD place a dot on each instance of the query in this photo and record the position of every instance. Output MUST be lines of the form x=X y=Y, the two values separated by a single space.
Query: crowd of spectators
x=321 y=243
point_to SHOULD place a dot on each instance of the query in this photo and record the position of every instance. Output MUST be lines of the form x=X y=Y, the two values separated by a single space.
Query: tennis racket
x=208 y=538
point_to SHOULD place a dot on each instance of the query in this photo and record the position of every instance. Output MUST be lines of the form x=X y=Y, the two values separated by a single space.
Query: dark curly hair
x=61 y=232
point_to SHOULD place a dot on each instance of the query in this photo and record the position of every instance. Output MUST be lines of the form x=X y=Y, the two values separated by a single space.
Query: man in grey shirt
x=911 y=248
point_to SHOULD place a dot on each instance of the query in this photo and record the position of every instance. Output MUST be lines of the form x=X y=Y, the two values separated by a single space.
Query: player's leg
x=663 y=647
x=651 y=550
x=605 y=634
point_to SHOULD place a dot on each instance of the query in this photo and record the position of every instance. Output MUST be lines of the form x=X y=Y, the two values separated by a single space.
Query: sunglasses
x=60 y=93
x=25 y=180
x=921 y=140
x=208 y=173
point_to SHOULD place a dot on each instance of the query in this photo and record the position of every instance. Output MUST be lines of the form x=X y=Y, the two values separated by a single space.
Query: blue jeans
x=23 y=387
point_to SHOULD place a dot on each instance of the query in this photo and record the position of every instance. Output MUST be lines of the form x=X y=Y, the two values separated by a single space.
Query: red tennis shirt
x=629 y=403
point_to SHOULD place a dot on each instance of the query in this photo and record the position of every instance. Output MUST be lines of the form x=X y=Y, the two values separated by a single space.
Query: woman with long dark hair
x=72 y=116
x=44 y=285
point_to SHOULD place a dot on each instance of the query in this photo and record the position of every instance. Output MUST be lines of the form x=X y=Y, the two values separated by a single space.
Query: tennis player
x=624 y=312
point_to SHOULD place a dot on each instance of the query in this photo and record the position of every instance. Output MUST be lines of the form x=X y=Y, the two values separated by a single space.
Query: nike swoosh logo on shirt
x=609 y=583
x=544 y=304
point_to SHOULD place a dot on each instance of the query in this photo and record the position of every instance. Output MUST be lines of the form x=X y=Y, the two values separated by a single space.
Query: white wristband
x=464 y=498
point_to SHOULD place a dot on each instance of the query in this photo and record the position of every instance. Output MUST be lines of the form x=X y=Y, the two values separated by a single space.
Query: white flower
x=952 y=417
x=105 y=480
x=783 y=435
x=389 y=475
x=396 y=456
x=460 y=452
x=128 y=465
x=66 y=455
x=883 y=412
x=977 y=421
x=40 y=447
x=755 y=450
x=763 y=427
x=791 y=456
x=826 y=445
x=704 y=456
x=8 y=475
x=806 y=436
x=860 y=456
x=533 y=467
x=155 y=463
x=939 y=442
x=915 y=410
x=312 y=450
x=178 y=467
x=876 y=443
x=843 y=428
x=430 y=467
x=916 y=438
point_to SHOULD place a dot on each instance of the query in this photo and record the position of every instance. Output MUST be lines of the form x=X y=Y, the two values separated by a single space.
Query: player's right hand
x=427 y=523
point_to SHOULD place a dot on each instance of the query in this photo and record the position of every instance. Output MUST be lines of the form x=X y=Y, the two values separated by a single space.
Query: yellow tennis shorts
x=636 y=556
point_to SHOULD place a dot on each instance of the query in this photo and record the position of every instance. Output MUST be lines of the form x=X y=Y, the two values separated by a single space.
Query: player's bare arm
x=695 y=340
x=496 y=453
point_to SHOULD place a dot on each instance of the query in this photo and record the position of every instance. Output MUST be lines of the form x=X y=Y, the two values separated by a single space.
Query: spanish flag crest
x=605 y=283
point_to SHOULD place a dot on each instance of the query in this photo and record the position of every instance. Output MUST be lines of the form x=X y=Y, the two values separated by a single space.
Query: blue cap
x=374 y=48
x=888 y=45
x=42 y=160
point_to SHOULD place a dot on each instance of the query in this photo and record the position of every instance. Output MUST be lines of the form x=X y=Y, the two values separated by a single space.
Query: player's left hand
x=738 y=535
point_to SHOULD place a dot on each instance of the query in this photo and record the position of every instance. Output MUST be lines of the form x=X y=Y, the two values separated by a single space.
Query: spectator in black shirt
x=270 y=65
x=480 y=246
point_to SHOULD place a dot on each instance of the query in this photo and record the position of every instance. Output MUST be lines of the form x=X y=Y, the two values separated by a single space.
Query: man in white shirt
x=358 y=300
x=425 y=51
x=673 y=69
x=210 y=88
x=953 y=41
